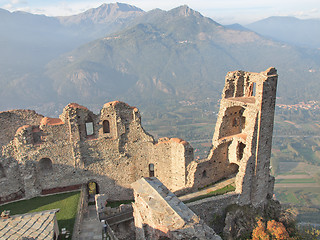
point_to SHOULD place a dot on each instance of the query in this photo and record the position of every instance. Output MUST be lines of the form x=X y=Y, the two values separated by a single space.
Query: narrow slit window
x=151 y=170
x=241 y=148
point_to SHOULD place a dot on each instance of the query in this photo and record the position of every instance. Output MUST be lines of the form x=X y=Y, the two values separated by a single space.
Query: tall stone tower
x=243 y=132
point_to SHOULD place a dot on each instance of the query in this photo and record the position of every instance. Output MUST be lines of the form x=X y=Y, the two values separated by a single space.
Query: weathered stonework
x=159 y=214
x=242 y=138
x=110 y=149
x=42 y=155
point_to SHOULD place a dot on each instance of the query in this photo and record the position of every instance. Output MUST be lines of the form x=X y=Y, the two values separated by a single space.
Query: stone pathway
x=207 y=190
x=91 y=227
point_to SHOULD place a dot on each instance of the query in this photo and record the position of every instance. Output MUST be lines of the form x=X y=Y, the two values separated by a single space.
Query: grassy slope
x=66 y=202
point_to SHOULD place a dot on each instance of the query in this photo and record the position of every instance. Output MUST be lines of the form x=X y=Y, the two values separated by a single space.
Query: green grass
x=296 y=180
x=211 y=184
x=114 y=204
x=66 y=202
x=228 y=188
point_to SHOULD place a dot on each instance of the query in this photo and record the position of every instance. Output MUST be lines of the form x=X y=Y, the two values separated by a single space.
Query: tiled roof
x=37 y=225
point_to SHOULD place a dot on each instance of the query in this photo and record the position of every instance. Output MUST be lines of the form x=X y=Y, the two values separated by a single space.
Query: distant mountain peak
x=103 y=14
x=123 y=7
x=185 y=10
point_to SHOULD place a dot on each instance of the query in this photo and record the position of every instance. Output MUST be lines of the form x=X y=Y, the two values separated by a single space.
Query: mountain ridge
x=156 y=58
x=105 y=13
x=299 y=32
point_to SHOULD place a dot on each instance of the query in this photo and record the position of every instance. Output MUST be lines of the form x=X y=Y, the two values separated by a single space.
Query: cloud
x=314 y=10
x=18 y=2
x=14 y=5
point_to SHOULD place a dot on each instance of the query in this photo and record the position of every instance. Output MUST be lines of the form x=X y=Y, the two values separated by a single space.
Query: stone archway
x=93 y=189
x=234 y=168
x=45 y=165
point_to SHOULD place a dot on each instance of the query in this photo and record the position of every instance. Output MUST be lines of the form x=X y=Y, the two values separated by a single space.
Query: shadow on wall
x=148 y=232
x=49 y=178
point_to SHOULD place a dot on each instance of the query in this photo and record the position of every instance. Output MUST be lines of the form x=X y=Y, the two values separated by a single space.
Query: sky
x=222 y=11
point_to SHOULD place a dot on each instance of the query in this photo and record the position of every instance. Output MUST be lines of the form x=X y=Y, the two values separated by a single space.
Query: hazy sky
x=222 y=11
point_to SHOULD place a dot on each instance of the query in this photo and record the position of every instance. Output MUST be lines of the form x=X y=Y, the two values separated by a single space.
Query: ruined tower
x=242 y=139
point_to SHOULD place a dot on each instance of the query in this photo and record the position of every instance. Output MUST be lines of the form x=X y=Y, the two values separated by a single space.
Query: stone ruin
x=159 y=214
x=42 y=155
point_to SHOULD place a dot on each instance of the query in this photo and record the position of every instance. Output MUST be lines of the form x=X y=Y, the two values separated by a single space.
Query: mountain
x=107 y=18
x=29 y=41
x=35 y=39
x=104 y=14
x=156 y=60
x=174 y=56
x=237 y=26
x=304 y=33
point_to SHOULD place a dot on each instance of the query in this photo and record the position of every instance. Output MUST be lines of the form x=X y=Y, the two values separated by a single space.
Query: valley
x=171 y=65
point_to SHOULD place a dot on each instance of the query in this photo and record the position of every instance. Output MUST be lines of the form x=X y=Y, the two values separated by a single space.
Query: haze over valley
x=171 y=65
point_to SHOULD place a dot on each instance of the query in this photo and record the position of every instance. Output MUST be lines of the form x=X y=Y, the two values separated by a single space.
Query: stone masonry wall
x=111 y=149
x=159 y=214
x=242 y=138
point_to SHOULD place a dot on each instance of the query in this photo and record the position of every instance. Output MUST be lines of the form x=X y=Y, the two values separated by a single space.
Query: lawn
x=66 y=202
x=228 y=188
x=115 y=204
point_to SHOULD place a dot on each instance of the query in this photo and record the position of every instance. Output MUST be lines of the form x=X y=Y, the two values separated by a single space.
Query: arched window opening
x=204 y=174
x=2 y=172
x=45 y=165
x=92 y=188
x=241 y=148
x=106 y=126
x=234 y=168
x=151 y=170
x=89 y=127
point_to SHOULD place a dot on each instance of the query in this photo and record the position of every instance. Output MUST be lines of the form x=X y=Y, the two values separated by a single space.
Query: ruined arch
x=234 y=168
x=2 y=172
x=92 y=189
x=45 y=165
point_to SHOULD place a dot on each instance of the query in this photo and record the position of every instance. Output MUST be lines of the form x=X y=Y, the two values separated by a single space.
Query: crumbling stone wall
x=111 y=149
x=11 y=120
x=159 y=214
x=212 y=209
x=242 y=138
